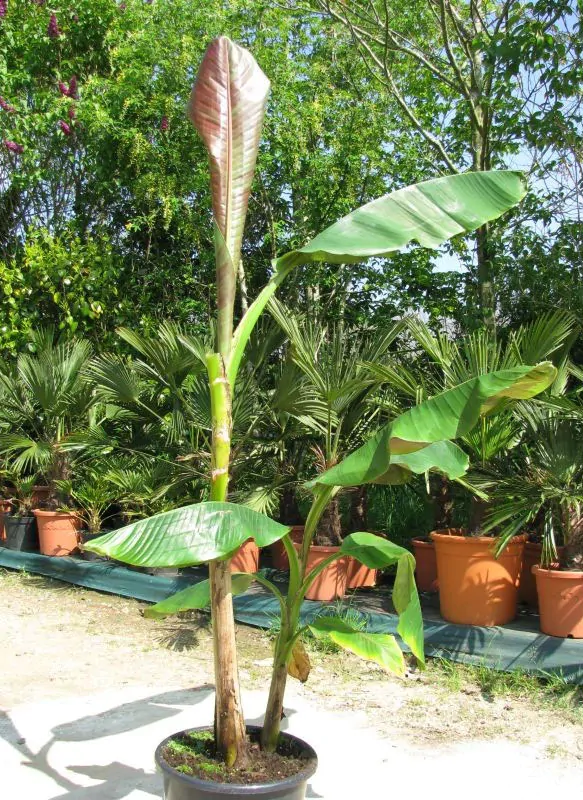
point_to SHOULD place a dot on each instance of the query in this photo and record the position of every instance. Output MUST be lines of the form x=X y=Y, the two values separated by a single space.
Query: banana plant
x=227 y=107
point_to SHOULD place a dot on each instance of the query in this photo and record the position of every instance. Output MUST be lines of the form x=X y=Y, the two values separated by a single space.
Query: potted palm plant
x=331 y=361
x=47 y=401
x=478 y=580
x=93 y=495
x=546 y=490
x=227 y=107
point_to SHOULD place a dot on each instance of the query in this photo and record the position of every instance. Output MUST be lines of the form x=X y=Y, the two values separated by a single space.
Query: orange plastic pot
x=425 y=565
x=474 y=587
x=560 y=600
x=359 y=576
x=57 y=532
x=246 y=559
x=279 y=558
x=331 y=582
x=527 y=592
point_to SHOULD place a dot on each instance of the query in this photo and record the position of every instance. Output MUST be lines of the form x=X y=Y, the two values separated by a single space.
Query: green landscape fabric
x=519 y=646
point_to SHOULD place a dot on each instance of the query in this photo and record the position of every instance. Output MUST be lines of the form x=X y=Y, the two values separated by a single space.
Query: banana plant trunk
x=229 y=720
x=226 y=107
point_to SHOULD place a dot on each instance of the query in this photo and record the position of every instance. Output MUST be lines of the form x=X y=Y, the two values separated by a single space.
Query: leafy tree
x=481 y=85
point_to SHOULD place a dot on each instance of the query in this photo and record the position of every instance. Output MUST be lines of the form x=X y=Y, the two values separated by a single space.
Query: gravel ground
x=61 y=642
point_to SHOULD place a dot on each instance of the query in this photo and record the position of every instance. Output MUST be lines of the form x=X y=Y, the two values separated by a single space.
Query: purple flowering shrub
x=13 y=147
x=53 y=30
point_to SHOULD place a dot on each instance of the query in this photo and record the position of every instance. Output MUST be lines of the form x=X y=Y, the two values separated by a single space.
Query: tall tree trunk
x=480 y=121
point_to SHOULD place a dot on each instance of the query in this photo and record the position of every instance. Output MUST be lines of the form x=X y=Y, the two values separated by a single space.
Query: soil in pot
x=246 y=559
x=425 y=564
x=279 y=559
x=331 y=582
x=475 y=588
x=192 y=770
x=560 y=598
x=21 y=533
x=527 y=592
x=58 y=532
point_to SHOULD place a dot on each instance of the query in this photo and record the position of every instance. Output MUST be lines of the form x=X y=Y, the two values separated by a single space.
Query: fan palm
x=544 y=494
x=337 y=385
x=437 y=363
x=45 y=402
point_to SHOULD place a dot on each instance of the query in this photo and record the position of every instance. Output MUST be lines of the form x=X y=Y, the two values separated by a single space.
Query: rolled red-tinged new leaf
x=227 y=107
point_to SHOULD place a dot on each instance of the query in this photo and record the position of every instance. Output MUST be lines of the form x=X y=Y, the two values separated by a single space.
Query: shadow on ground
x=117 y=780
x=60 y=750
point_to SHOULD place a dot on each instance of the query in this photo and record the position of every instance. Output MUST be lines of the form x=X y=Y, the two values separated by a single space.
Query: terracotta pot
x=425 y=565
x=58 y=532
x=5 y=508
x=246 y=559
x=527 y=592
x=560 y=597
x=474 y=587
x=331 y=582
x=358 y=575
x=279 y=559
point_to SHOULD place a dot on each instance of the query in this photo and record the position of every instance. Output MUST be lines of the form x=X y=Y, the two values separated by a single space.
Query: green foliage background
x=108 y=223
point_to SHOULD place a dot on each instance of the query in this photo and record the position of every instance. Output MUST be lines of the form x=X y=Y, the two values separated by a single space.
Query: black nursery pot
x=86 y=555
x=21 y=533
x=178 y=786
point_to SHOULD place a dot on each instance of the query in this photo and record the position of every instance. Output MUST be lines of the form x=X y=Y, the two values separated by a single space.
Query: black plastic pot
x=86 y=555
x=21 y=533
x=164 y=572
x=178 y=786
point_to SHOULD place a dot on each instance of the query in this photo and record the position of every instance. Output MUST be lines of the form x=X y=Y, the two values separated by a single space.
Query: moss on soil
x=194 y=753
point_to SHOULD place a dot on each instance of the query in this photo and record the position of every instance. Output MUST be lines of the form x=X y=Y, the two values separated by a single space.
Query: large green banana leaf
x=429 y=213
x=196 y=596
x=188 y=535
x=397 y=447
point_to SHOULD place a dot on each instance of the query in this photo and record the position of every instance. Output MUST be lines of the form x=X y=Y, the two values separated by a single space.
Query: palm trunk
x=330 y=527
x=359 y=509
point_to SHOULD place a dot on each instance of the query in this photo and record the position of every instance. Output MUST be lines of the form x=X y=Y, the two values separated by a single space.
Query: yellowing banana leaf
x=188 y=535
x=382 y=648
x=299 y=664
